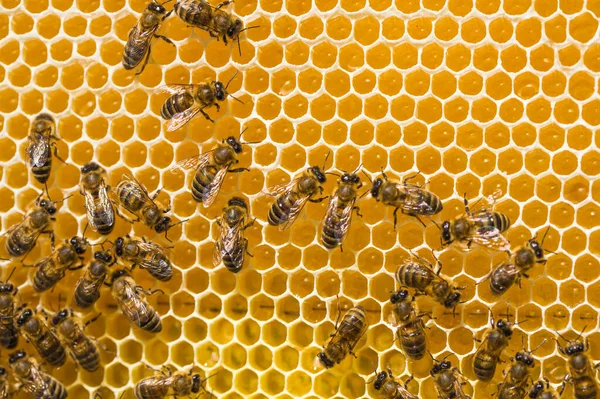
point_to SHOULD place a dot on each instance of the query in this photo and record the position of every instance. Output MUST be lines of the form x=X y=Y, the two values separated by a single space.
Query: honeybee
x=478 y=225
x=87 y=290
x=211 y=168
x=448 y=380
x=488 y=354
x=134 y=198
x=51 y=269
x=141 y=35
x=541 y=390
x=147 y=255
x=98 y=206
x=510 y=271
x=410 y=199
x=4 y=384
x=170 y=384
x=346 y=336
x=46 y=343
x=389 y=388
x=292 y=196
x=411 y=331
x=133 y=305
x=22 y=237
x=42 y=136
x=217 y=22
x=33 y=380
x=338 y=217
x=9 y=335
x=516 y=378
x=419 y=274
x=187 y=100
x=231 y=246
x=81 y=347
x=582 y=373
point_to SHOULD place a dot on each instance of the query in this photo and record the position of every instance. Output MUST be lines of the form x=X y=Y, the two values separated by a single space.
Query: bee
x=581 y=371
x=147 y=255
x=231 y=246
x=168 y=384
x=488 y=354
x=140 y=36
x=524 y=258
x=516 y=378
x=134 y=198
x=292 y=196
x=133 y=304
x=216 y=21
x=478 y=225
x=419 y=274
x=187 y=100
x=87 y=290
x=410 y=199
x=448 y=380
x=98 y=206
x=33 y=380
x=411 y=332
x=541 y=390
x=9 y=335
x=51 y=269
x=81 y=347
x=46 y=343
x=338 y=217
x=211 y=168
x=4 y=384
x=389 y=388
x=42 y=136
x=346 y=336
x=22 y=237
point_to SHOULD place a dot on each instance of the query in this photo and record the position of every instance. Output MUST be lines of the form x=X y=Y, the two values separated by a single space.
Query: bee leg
x=156 y=193
x=53 y=144
x=205 y=114
x=420 y=221
x=407 y=178
x=81 y=266
x=412 y=377
x=357 y=209
x=148 y=292
x=395 y=218
x=166 y=39
x=223 y=4
x=87 y=323
x=246 y=247
x=238 y=170
x=317 y=200
x=145 y=61
x=249 y=224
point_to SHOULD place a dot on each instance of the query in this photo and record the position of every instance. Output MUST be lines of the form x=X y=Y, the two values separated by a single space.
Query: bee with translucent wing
x=42 y=137
x=411 y=328
x=98 y=206
x=488 y=354
x=33 y=380
x=479 y=225
x=582 y=374
x=87 y=290
x=389 y=388
x=448 y=380
x=9 y=335
x=231 y=246
x=517 y=377
x=80 y=346
x=145 y=254
x=34 y=329
x=169 y=384
x=141 y=35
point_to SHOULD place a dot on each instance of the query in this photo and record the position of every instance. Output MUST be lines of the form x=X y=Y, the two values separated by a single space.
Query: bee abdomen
x=9 y=336
x=53 y=351
x=126 y=193
x=484 y=366
x=42 y=282
x=414 y=276
x=280 y=210
x=233 y=261
x=176 y=104
x=82 y=298
x=194 y=13
x=55 y=389
x=42 y=173
x=134 y=53
x=163 y=270
x=202 y=180
x=149 y=389
x=413 y=343
x=435 y=204
x=153 y=325
x=88 y=356
x=332 y=234
x=17 y=247
x=501 y=221
x=502 y=279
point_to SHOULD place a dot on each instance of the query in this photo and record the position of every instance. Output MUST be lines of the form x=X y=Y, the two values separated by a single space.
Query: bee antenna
x=164 y=2
x=235 y=98
x=581 y=333
x=326 y=158
x=239 y=45
x=64 y=199
x=357 y=169
x=241 y=133
x=333 y=173
x=47 y=191
x=537 y=347
x=561 y=336
x=250 y=27
x=233 y=77
x=368 y=177
x=10 y=275
x=544 y=237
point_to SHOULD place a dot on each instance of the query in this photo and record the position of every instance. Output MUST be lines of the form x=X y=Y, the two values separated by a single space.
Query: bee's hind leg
x=55 y=151
x=166 y=39
x=206 y=115
x=224 y=3
x=145 y=61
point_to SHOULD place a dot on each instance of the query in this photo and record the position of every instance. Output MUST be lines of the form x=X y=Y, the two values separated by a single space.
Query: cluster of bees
x=53 y=337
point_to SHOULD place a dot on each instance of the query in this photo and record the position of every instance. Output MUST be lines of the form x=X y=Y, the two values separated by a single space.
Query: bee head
x=446 y=234
x=505 y=327
x=79 y=244
x=452 y=300
x=220 y=92
x=2 y=371
x=237 y=201
x=7 y=287
x=319 y=175
x=119 y=246
x=536 y=389
x=89 y=167
x=379 y=379
x=350 y=178
x=574 y=348
x=235 y=29
x=376 y=187
x=157 y=8
x=18 y=355
x=526 y=358
x=325 y=361
x=196 y=383
x=399 y=296
x=104 y=256
x=163 y=225
x=60 y=316
x=536 y=248
x=235 y=144
x=48 y=206
x=24 y=317
x=438 y=367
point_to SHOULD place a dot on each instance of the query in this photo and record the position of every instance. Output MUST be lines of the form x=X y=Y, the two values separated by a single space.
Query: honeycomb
x=478 y=95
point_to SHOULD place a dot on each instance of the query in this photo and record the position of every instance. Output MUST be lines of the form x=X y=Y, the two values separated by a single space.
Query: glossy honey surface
x=478 y=95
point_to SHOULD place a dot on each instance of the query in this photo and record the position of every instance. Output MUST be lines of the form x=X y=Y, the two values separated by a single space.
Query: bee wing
x=160 y=381
x=343 y=223
x=413 y=203
x=218 y=251
x=280 y=188
x=212 y=190
x=139 y=191
x=140 y=37
x=294 y=212
x=492 y=239
x=233 y=242
x=151 y=247
x=484 y=204
x=195 y=162
x=182 y=118
x=131 y=303
x=405 y=393
x=39 y=152
x=37 y=383
x=104 y=202
x=176 y=89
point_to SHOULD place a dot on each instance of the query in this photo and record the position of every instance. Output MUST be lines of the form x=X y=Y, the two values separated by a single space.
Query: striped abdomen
x=159 y=266
x=86 y=354
x=9 y=336
x=414 y=275
x=502 y=278
x=484 y=365
x=353 y=325
x=135 y=48
x=151 y=323
x=585 y=388
x=50 y=349
x=203 y=178
x=195 y=13
x=47 y=275
x=234 y=260
x=127 y=192
x=151 y=388
x=280 y=210
x=491 y=220
x=42 y=173
x=87 y=292
x=412 y=338
x=20 y=241
x=333 y=232
x=54 y=389
x=103 y=216
x=176 y=104
x=434 y=204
